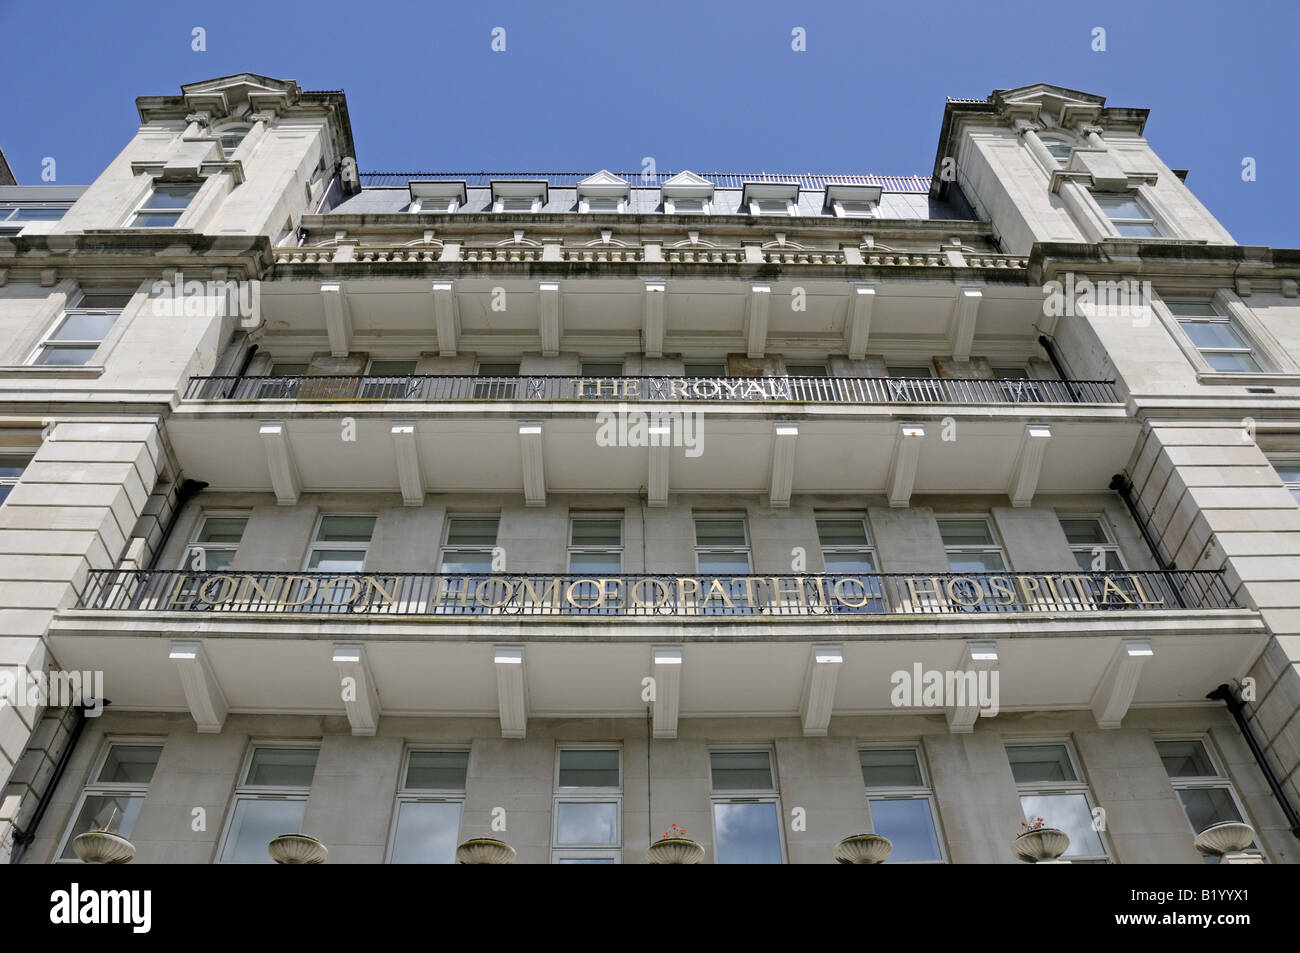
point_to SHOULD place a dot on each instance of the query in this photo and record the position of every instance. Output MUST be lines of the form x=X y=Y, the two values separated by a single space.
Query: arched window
x=1060 y=150
x=231 y=137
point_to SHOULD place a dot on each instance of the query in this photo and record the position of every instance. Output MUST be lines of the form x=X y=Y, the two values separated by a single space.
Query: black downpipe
x=1121 y=485
x=1050 y=348
x=1235 y=705
x=24 y=838
x=243 y=369
x=189 y=489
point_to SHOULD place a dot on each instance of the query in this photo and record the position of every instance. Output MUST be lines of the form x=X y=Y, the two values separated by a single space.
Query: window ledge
x=1230 y=377
x=79 y=371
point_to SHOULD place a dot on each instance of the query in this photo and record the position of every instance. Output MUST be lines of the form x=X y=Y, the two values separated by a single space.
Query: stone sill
x=82 y=371
x=1246 y=380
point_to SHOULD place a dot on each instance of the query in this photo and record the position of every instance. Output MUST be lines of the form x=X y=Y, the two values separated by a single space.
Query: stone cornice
x=1173 y=259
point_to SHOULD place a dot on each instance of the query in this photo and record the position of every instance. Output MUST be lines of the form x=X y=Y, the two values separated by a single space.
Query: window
x=1060 y=150
x=231 y=139
x=388 y=380
x=910 y=370
x=686 y=206
x=80 y=330
x=705 y=369
x=164 y=205
x=214 y=544
x=910 y=382
x=848 y=208
x=12 y=466
x=1129 y=215
x=499 y=380
x=722 y=550
x=1050 y=787
x=1006 y=373
x=338 y=548
x=596 y=544
x=603 y=371
x=115 y=794
x=902 y=804
x=1090 y=541
x=806 y=370
x=847 y=550
x=1288 y=470
x=426 y=823
x=1220 y=340
x=587 y=821
x=466 y=559
x=746 y=809
x=282 y=381
x=1206 y=794
x=19 y=215
x=270 y=801
x=970 y=545
x=770 y=206
x=602 y=203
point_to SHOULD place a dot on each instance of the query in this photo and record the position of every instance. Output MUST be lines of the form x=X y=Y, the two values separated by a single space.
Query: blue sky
x=713 y=86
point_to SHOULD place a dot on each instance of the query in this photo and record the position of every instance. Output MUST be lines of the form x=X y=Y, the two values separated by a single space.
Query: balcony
x=830 y=390
x=848 y=598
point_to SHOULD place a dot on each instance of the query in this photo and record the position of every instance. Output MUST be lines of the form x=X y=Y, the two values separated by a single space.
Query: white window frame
x=587 y=795
x=1221 y=316
x=584 y=548
x=448 y=547
x=670 y=205
x=93 y=788
x=1152 y=218
x=47 y=339
x=408 y=795
x=1066 y=788
x=749 y=795
x=199 y=524
x=868 y=549
x=149 y=194
x=975 y=548
x=259 y=792
x=584 y=204
x=698 y=549
x=923 y=792
x=12 y=482
x=1219 y=781
x=1110 y=546
x=317 y=543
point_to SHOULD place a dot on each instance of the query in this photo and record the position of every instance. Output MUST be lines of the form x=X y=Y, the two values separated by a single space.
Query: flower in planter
x=1029 y=826
x=675 y=833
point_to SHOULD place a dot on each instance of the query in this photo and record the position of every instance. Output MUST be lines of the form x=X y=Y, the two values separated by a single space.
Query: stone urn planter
x=863 y=849
x=1041 y=844
x=103 y=847
x=674 y=850
x=1226 y=838
x=485 y=850
x=297 y=849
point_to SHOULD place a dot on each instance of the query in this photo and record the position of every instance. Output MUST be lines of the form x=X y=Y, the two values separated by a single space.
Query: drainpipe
x=189 y=489
x=1224 y=694
x=243 y=369
x=24 y=838
x=1121 y=485
x=1052 y=356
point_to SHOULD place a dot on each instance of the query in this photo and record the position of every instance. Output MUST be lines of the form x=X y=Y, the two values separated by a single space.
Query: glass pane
x=255 y=824
x=849 y=564
x=37 y=215
x=466 y=562
x=589 y=768
x=597 y=532
x=346 y=529
x=12 y=466
x=1070 y=813
x=591 y=564
x=960 y=562
x=1288 y=471
x=806 y=370
x=66 y=356
x=282 y=767
x=1087 y=561
x=909 y=824
x=845 y=532
x=391 y=368
x=109 y=302
x=437 y=770
x=1121 y=206
x=223 y=529
x=469 y=531
x=1138 y=230
x=741 y=770
x=133 y=764
x=155 y=219
x=171 y=196
x=1058 y=149
x=723 y=564
x=705 y=369
x=892 y=768
x=498 y=370
x=1084 y=531
x=214 y=560
x=720 y=532
x=116 y=812
x=336 y=560
x=1195 y=309
x=1034 y=763
x=1214 y=334
x=84 y=327
x=1232 y=363
x=1186 y=759
x=910 y=370
x=1010 y=374
x=961 y=532
x=585 y=823
x=427 y=832
x=602 y=369
x=287 y=370
x=746 y=834
x=1208 y=806
x=4 y=491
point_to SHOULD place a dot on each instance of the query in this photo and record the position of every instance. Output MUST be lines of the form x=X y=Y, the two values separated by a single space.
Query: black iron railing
x=530 y=594
x=848 y=390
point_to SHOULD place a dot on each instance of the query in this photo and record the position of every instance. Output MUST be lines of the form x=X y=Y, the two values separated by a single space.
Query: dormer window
x=687 y=194
x=432 y=196
x=231 y=139
x=603 y=192
x=763 y=198
x=853 y=201
x=518 y=196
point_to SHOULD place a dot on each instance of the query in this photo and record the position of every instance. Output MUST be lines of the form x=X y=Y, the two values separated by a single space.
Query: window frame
x=996 y=544
x=1218 y=781
x=230 y=130
x=409 y=795
x=1059 y=139
x=141 y=206
x=925 y=792
x=447 y=547
x=316 y=543
x=7 y=484
x=1281 y=462
x=747 y=795
x=573 y=548
x=1080 y=786
x=260 y=792
x=594 y=794
x=1161 y=229
x=1222 y=316
x=47 y=339
x=93 y=788
x=1110 y=546
x=199 y=525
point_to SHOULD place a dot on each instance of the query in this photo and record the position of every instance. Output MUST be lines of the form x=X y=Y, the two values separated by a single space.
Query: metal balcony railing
x=846 y=390
x=653 y=595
